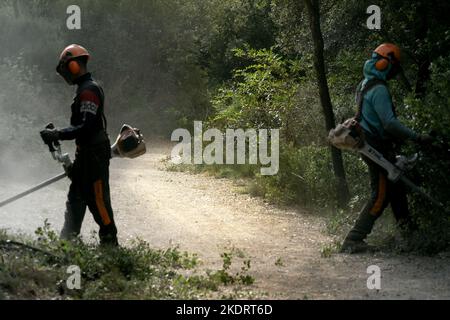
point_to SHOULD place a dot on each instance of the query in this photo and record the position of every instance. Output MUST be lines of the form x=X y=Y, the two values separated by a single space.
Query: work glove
x=49 y=135
x=69 y=170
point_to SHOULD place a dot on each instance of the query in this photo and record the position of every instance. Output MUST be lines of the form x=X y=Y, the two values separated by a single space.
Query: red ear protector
x=383 y=63
x=74 y=67
x=68 y=70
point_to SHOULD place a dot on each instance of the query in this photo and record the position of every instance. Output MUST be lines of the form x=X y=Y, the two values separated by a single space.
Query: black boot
x=108 y=235
x=354 y=242
x=73 y=218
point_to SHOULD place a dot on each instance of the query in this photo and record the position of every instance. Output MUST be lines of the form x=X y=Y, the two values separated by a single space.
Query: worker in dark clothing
x=383 y=131
x=90 y=170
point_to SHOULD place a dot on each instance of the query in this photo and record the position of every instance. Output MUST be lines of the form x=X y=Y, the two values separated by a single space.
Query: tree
x=313 y=9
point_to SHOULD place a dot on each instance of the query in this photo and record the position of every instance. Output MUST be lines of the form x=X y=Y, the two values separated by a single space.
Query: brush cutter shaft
x=420 y=191
x=33 y=189
x=395 y=172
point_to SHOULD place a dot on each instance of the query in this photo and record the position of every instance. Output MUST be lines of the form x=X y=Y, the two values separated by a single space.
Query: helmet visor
x=64 y=72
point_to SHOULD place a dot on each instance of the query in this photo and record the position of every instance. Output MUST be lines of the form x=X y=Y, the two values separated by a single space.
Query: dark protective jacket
x=88 y=128
x=87 y=123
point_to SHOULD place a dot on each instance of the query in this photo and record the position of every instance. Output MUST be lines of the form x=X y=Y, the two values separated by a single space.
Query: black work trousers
x=90 y=189
x=383 y=193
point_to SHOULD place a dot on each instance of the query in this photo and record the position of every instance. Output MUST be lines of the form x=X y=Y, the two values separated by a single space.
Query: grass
x=328 y=250
x=39 y=270
x=279 y=262
x=219 y=171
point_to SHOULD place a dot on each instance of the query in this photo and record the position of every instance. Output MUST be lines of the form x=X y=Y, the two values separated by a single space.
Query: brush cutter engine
x=349 y=136
x=130 y=143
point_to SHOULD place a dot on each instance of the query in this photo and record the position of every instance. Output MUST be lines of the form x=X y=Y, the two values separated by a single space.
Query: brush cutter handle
x=53 y=145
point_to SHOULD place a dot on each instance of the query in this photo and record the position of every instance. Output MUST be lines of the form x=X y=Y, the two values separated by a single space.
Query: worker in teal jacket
x=383 y=131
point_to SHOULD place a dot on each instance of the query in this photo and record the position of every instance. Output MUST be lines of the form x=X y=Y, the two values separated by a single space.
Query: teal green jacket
x=378 y=117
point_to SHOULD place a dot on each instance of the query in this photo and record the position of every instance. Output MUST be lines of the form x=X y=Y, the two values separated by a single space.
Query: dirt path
x=205 y=215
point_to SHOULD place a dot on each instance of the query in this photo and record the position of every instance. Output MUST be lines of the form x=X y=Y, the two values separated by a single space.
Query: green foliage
x=271 y=92
x=230 y=25
x=432 y=114
x=261 y=94
x=37 y=269
x=279 y=262
x=226 y=275
x=329 y=249
x=306 y=178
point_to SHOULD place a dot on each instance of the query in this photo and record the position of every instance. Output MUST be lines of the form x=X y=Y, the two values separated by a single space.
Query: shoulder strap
x=361 y=93
x=105 y=123
x=102 y=94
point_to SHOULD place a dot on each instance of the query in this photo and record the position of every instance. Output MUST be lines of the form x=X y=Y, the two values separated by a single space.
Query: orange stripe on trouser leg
x=98 y=189
x=381 y=196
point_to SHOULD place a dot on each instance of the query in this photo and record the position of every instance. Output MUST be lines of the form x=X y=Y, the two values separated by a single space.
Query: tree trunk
x=312 y=6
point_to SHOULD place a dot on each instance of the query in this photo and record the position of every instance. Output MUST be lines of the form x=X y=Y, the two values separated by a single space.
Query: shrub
x=38 y=269
x=432 y=172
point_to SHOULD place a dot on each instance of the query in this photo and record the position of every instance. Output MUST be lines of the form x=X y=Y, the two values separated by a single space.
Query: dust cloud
x=32 y=94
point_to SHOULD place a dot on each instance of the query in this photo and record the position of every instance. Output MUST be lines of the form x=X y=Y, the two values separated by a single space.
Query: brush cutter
x=348 y=136
x=130 y=143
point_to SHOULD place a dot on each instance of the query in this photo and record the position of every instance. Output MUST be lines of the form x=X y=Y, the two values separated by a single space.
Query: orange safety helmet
x=68 y=66
x=389 y=53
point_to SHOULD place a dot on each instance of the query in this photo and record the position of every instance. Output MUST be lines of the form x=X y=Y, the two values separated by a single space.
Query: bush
x=432 y=172
x=260 y=95
x=272 y=92
x=31 y=269
x=306 y=178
